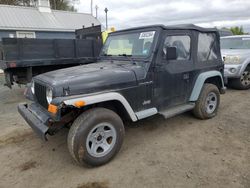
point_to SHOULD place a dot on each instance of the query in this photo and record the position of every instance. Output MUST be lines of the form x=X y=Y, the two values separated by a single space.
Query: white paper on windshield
x=147 y=35
x=246 y=38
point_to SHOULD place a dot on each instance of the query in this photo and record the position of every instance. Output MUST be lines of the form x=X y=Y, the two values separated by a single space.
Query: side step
x=177 y=110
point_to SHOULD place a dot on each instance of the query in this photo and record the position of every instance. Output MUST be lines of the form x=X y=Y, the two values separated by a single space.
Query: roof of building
x=31 y=19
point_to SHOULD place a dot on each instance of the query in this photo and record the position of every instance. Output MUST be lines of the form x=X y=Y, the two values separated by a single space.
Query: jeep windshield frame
x=135 y=44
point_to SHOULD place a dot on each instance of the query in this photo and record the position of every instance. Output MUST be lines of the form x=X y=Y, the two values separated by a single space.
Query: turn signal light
x=52 y=109
x=79 y=104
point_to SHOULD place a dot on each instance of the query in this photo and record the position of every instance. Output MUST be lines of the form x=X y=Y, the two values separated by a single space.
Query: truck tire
x=242 y=83
x=209 y=100
x=95 y=137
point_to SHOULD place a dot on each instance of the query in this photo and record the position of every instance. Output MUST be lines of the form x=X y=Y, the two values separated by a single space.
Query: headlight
x=232 y=60
x=49 y=95
x=32 y=87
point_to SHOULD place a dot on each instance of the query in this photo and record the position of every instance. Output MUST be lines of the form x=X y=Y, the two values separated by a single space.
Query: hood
x=92 y=78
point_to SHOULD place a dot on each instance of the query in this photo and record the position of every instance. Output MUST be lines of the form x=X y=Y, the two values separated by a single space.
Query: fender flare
x=244 y=66
x=200 y=82
x=104 y=97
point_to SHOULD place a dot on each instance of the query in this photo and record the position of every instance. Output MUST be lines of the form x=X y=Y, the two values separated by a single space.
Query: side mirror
x=171 y=53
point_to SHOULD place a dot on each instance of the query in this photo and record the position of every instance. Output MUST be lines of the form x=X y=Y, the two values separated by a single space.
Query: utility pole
x=96 y=11
x=106 y=12
x=91 y=7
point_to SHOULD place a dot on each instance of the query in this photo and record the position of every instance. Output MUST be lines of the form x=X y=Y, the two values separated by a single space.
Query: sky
x=206 y=13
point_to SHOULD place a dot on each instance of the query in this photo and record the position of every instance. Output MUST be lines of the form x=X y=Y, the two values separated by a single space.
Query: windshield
x=235 y=43
x=136 y=44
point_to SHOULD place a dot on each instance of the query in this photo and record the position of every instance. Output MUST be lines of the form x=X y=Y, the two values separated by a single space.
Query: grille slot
x=40 y=93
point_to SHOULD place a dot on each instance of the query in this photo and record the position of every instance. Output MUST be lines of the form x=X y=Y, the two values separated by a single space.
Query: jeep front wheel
x=96 y=136
x=241 y=83
x=207 y=105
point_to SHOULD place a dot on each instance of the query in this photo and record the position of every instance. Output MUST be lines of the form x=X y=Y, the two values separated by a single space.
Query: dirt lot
x=178 y=152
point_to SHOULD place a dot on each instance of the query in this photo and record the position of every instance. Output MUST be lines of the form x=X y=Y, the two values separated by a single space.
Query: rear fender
x=200 y=82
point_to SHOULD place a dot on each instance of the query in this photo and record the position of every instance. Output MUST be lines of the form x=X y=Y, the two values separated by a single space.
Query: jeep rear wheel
x=207 y=105
x=95 y=137
x=241 y=83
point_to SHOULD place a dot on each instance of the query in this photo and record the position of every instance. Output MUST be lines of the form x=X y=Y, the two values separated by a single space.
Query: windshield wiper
x=129 y=57
x=125 y=55
x=106 y=54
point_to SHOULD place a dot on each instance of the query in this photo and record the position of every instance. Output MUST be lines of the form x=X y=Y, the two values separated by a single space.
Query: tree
x=62 y=5
x=55 y=4
x=237 y=30
x=9 y=2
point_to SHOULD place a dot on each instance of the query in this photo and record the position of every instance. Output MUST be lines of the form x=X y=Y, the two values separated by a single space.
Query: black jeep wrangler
x=140 y=72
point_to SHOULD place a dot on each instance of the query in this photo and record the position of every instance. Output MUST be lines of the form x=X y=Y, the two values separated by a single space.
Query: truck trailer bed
x=21 y=59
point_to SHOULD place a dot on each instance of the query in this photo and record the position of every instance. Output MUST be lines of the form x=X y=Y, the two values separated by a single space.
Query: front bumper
x=36 y=118
x=232 y=70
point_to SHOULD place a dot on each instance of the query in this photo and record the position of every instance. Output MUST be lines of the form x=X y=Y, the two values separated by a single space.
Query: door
x=173 y=78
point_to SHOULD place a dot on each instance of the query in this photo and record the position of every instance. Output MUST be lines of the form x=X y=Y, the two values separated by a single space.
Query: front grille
x=40 y=93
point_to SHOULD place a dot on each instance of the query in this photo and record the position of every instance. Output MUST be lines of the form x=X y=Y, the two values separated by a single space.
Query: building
x=41 y=22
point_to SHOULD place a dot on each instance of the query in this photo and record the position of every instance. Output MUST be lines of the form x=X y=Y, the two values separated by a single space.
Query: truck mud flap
x=8 y=81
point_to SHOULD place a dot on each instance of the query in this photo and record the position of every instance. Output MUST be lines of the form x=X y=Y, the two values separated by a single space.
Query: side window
x=207 y=47
x=182 y=44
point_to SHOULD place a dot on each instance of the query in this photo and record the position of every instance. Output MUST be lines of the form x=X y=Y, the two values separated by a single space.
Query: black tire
x=200 y=111
x=242 y=83
x=81 y=129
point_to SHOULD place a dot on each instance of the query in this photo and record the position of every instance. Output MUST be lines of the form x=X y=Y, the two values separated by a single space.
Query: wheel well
x=117 y=107
x=248 y=67
x=216 y=81
x=113 y=105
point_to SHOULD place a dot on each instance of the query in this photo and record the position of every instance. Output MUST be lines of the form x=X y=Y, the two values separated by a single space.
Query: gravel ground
x=178 y=152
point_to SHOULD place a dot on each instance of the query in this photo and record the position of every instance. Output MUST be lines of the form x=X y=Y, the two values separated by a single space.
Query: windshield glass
x=235 y=43
x=136 y=44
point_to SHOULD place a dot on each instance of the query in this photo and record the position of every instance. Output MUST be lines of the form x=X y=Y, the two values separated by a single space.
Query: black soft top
x=173 y=27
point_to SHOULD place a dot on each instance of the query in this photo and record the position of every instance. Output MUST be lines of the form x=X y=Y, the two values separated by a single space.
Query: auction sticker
x=147 y=35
